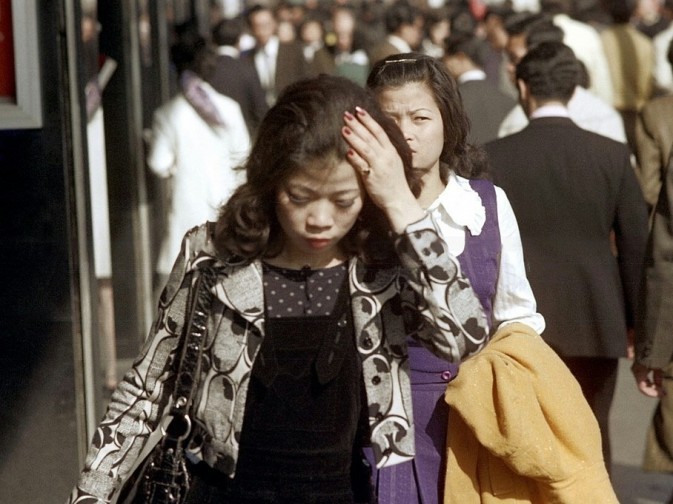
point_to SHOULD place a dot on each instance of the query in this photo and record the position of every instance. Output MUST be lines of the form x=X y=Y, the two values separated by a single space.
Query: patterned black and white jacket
x=425 y=295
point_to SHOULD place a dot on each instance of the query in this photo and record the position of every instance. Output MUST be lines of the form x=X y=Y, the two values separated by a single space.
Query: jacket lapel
x=241 y=289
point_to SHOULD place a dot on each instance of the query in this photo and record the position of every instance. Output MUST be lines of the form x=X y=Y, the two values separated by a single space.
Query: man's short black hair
x=550 y=70
x=227 y=32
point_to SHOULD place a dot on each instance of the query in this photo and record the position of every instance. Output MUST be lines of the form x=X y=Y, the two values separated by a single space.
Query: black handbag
x=161 y=476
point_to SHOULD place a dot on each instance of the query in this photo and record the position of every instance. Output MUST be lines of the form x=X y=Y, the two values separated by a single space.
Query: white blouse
x=459 y=206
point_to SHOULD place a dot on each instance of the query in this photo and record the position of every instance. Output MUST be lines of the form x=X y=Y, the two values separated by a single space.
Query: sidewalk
x=629 y=421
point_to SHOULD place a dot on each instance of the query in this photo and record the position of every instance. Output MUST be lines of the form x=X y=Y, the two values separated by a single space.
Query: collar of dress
x=461 y=204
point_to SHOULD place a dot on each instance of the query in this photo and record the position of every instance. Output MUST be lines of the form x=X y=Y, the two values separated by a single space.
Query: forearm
x=452 y=322
x=140 y=400
x=654 y=335
x=404 y=213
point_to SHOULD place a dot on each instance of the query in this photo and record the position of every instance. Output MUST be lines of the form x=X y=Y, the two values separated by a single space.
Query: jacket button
x=376 y=380
x=379 y=416
x=447 y=375
x=367 y=343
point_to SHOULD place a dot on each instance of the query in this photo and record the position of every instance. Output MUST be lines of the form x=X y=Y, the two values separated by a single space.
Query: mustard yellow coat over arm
x=520 y=429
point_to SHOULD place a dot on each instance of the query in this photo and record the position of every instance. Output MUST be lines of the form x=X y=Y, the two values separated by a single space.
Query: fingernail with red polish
x=360 y=111
x=348 y=115
x=347 y=131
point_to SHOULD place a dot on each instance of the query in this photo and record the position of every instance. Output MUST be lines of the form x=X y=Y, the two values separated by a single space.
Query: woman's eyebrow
x=408 y=111
x=309 y=190
x=347 y=191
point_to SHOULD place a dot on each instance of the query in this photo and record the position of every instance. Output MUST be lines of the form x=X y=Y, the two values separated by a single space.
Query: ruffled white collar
x=461 y=204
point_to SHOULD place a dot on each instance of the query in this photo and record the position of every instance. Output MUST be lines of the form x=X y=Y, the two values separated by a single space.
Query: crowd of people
x=411 y=205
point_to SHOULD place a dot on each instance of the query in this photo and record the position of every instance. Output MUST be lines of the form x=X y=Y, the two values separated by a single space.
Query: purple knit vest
x=479 y=262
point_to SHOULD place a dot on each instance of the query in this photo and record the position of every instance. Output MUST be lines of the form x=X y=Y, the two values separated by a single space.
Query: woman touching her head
x=477 y=223
x=324 y=262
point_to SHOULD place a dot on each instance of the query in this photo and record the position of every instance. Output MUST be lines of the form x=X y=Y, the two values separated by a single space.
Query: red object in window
x=7 y=72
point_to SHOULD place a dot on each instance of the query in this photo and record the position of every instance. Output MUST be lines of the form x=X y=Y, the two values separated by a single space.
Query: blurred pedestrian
x=404 y=28
x=277 y=63
x=650 y=18
x=495 y=34
x=485 y=105
x=312 y=36
x=631 y=60
x=198 y=138
x=437 y=27
x=235 y=78
x=585 y=41
x=350 y=58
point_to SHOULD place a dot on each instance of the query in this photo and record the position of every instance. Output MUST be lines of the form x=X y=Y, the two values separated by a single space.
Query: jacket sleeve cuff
x=93 y=487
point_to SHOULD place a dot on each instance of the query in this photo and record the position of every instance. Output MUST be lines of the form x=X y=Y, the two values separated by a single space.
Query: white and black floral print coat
x=425 y=294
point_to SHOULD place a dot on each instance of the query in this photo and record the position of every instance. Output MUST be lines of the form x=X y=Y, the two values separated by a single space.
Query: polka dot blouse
x=304 y=292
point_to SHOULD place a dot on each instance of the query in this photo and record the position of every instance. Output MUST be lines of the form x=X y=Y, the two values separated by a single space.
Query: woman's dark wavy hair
x=400 y=69
x=304 y=126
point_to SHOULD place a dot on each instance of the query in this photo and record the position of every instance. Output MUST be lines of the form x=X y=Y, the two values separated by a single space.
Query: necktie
x=267 y=74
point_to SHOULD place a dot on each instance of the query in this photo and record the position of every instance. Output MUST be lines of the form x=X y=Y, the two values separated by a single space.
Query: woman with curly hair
x=324 y=262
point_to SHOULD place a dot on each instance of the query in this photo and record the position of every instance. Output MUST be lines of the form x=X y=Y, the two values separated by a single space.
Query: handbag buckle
x=179 y=428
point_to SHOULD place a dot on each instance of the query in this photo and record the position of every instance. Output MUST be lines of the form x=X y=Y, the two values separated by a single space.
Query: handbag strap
x=195 y=332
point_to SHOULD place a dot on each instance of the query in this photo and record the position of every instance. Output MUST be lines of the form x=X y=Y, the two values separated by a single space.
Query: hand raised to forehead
x=375 y=158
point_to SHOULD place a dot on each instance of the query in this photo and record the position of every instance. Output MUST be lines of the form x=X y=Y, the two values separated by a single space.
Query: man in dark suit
x=235 y=78
x=576 y=198
x=485 y=105
x=278 y=64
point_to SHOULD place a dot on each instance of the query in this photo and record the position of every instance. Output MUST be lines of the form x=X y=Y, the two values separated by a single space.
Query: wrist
x=401 y=216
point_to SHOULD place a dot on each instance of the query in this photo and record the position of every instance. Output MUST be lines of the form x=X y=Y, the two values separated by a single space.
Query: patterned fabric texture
x=425 y=294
